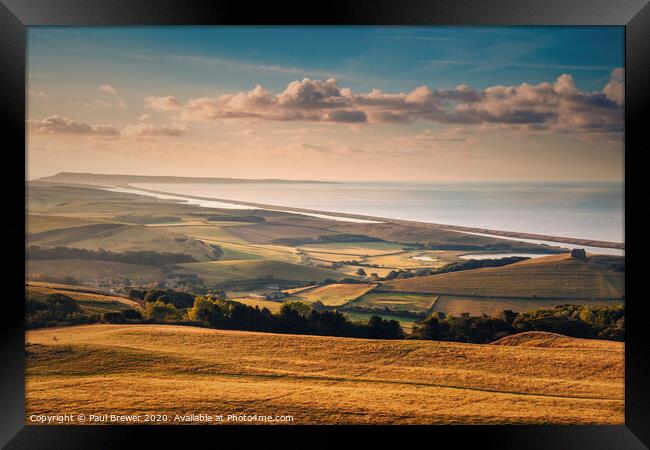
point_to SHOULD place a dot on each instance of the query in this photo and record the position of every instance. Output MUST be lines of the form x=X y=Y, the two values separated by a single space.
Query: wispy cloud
x=240 y=64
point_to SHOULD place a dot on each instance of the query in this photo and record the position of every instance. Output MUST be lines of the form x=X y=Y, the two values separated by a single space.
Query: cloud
x=615 y=89
x=150 y=130
x=104 y=104
x=57 y=125
x=36 y=94
x=557 y=106
x=107 y=88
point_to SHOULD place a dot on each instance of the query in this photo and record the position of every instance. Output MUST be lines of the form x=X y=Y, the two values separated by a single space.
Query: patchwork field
x=557 y=276
x=323 y=380
x=333 y=294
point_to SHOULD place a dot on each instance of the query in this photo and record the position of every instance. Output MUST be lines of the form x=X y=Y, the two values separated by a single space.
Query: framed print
x=367 y=218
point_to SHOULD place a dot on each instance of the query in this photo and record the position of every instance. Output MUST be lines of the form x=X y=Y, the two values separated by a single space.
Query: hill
x=111 y=179
x=120 y=238
x=165 y=369
x=262 y=270
x=92 y=301
x=541 y=339
x=551 y=277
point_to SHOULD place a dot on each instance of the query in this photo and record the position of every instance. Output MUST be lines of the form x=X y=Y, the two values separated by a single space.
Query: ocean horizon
x=584 y=210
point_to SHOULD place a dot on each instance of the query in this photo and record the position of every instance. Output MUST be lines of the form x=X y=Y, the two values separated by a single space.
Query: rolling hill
x=223 y=271
x=551 y=277
x=120 y=238
x=165 y=369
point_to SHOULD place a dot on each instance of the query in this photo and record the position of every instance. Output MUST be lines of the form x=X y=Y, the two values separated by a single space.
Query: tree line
x=146 y=257
x=216 y=311
x=580 y=321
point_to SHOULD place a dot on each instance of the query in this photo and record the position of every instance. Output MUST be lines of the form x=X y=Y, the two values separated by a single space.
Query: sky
x=413 y=104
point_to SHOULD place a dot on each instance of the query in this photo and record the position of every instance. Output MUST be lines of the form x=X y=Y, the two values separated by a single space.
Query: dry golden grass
x=139 y=369
x=551 y=340
x=299 y=289
x=274 y=307
x=89 y=300
x=556 y=276
x=333 y=294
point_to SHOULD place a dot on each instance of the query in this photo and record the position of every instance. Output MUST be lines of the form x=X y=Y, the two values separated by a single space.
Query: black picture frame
x=16 y=15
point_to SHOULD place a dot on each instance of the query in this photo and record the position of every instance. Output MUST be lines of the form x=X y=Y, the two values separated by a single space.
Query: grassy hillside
x=37 y=223
x=85 y=269
x=91 y=301
x=223 y=271
x=333 y=294
x=140 y=369
x=120 y=238
x=556 y=276
x=397 y=301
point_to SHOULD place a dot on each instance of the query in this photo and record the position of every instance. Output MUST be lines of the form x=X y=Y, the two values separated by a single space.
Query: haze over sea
x=587 y=210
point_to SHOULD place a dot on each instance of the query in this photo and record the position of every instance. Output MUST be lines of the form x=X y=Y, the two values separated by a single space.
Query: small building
x=578 y=253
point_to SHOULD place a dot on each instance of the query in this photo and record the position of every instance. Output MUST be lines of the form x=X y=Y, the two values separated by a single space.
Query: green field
x=85 y=269
x=120 y=238
x=353 y=248
x=396 y=301
x=223 y=271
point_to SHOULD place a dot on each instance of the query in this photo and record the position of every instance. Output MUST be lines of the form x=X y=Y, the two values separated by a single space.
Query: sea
x=585 y=210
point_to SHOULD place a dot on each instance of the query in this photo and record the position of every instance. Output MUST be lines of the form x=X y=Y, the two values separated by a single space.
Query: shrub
x=113 y=317
x=161 y=311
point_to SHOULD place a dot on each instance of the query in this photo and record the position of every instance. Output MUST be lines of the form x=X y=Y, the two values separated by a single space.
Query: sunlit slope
x=133 y=369
x=120 y=238
x=223 y=271
x=557 y=276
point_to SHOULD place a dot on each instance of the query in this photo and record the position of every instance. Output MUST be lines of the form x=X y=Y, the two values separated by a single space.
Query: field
x=397 y=301
x=142 y=369
x=223 y=271
x=357 y=316
x=90 y=301
x=272 y=306
x=92 y=269
x=557 y=276
x=333 y=294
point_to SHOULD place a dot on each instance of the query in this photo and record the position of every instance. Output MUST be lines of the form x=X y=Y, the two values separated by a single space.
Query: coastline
x=374 y=219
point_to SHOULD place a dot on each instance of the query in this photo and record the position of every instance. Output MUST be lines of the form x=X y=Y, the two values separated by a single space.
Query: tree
x=113 y=317
x=301 y=308
x=161 y=311
x=203 y=309
x=131 y=314
x=62 y=304
x=361 y=272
